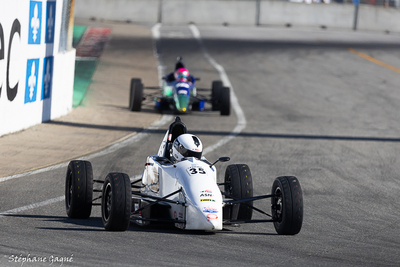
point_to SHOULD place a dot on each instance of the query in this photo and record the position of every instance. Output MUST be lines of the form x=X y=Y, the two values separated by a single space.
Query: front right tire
x=287 y=205
x=215 y=94
x=225 y=101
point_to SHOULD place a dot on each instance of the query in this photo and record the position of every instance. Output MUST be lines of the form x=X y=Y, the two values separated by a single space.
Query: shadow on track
x=94 y=224
x=242 y=134
x=170 y=229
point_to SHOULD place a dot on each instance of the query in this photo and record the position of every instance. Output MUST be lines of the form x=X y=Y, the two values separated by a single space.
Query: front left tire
x=136 y=95
x=116 y=202
x=239 y=184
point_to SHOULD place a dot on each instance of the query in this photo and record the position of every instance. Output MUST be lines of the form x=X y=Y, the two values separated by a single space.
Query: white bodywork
x=200 y=192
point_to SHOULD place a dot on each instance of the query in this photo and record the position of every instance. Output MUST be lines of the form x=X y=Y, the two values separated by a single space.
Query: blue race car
x=179 y=94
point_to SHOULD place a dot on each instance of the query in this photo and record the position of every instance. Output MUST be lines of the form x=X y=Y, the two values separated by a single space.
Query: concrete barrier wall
x=378 y=19
x=119 y=10
x=299 y=14
x=36 y=80
x=240 y=12
x=209 y=12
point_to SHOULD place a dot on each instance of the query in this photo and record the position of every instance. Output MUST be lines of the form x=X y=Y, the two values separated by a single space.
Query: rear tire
x=225 y=101
x=116 y=202
x=136 y=95
x=287 y=205
x=215 y=94
x=239 y=184
x=79 y=189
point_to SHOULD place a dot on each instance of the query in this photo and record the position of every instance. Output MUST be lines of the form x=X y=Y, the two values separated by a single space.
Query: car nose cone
x=182 y=103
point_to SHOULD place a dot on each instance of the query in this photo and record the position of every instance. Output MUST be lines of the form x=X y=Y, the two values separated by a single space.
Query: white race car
x=179 y=186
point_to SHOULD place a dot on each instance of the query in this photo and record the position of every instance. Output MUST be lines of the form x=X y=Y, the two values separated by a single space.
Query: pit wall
x=241 y=12
x=36 y=70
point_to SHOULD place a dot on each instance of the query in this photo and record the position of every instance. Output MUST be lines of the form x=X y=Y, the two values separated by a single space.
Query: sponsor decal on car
x=185 y=85
x=178 y=215
x=206 y=193
x=212 y=216
x=182 y=92
x=207 y=200
x=210 y=210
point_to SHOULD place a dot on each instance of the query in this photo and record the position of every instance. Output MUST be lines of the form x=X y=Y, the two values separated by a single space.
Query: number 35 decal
x=196 y=170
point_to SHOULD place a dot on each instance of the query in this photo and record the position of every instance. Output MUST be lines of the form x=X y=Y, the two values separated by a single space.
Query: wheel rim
x=69 y=194
x=278 y=204
x=108 y=203
x=228 y=188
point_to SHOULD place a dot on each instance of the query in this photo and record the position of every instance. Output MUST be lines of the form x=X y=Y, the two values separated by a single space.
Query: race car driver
x=186 y=146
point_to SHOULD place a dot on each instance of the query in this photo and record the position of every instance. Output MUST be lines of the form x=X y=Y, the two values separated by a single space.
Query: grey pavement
x=104 y=117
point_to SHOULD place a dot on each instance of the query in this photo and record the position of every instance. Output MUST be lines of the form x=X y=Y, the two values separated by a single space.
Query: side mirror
x=222 y=159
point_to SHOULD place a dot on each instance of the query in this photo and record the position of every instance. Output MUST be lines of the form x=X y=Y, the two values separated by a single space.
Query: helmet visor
x=186 y=153
x=189 y=153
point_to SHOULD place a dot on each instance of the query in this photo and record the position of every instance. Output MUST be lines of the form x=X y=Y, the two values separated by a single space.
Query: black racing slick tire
x=239 y=184
x=225 y=101
x=116 y=202
x=287 y=205
x=79 y=189
x=215 y=94
x=136 y=95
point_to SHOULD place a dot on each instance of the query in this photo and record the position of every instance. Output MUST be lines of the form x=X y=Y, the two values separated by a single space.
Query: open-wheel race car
x=179 y=186
x=179 y=94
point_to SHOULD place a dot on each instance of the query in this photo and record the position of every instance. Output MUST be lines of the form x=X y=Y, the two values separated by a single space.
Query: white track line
x=32 y=206
x=241 y=123
x=155 y=30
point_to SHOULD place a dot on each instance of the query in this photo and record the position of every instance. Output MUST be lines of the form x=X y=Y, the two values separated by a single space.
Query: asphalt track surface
x=313 y=109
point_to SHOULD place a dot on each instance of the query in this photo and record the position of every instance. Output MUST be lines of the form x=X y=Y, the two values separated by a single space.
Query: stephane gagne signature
x=50 y=260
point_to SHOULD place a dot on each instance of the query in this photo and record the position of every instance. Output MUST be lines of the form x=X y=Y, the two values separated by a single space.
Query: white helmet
x=187 y=145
